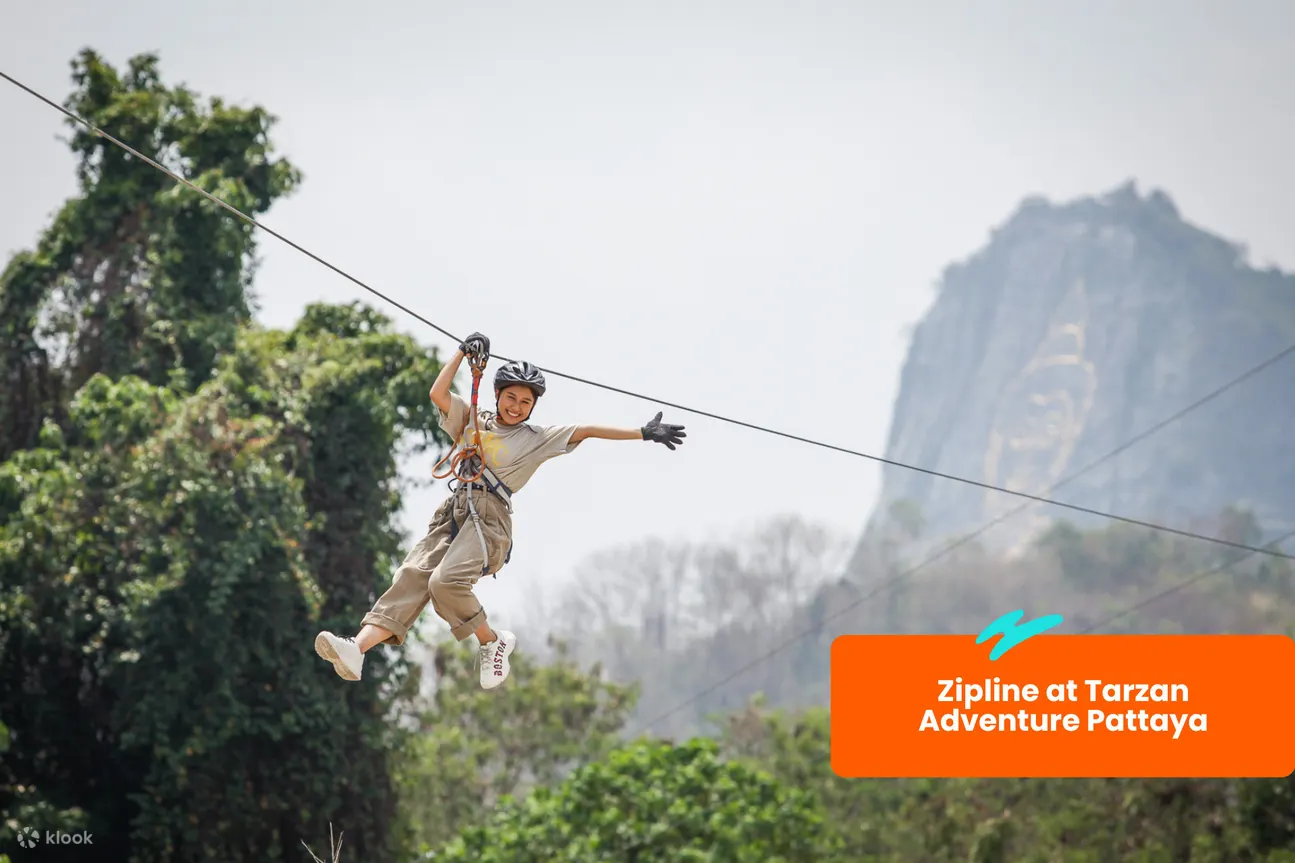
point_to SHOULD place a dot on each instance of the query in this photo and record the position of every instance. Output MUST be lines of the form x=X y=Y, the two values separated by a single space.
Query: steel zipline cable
x=719 y=417
x=1028 y=498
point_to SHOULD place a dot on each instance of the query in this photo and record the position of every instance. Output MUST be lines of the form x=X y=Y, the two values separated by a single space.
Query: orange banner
x=1063 y=706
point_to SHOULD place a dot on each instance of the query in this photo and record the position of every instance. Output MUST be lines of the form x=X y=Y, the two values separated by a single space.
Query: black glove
x=659 y=432
x=476 y=344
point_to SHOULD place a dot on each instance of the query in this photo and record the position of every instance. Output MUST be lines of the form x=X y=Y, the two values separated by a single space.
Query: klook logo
x=29 y=838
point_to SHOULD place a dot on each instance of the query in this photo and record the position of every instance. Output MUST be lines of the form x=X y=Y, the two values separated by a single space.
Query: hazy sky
x=735 y=206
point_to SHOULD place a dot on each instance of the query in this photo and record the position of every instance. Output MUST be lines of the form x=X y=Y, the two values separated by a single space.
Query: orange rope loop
x=473 y=449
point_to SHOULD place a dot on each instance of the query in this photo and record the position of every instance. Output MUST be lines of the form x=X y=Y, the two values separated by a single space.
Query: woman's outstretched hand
x=666 y=433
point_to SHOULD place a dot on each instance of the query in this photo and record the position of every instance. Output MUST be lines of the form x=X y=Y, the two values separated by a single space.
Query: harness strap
x=476 y=523
x=495 y=486
x=471 y=456
x=481 y=537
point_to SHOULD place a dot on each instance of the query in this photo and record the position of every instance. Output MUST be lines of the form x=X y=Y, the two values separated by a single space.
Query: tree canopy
x=653 y=802
x=185 y=499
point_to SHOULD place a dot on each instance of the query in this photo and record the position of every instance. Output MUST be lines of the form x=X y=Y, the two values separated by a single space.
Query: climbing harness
x=471 y=456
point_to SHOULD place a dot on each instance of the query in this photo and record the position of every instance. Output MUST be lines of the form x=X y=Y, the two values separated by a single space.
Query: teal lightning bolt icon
x=1013 y=634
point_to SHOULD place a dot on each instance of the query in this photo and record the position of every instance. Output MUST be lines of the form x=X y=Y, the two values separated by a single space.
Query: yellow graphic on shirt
x=492 y=446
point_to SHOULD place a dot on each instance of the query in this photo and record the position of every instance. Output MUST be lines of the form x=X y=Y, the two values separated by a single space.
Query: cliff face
x=1076 y=328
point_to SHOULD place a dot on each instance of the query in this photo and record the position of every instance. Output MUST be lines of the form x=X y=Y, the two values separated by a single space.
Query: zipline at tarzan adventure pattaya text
x=495 y=454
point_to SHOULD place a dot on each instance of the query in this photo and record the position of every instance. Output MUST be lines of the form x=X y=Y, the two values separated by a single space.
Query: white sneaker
x=343 y=652
x=494 y=659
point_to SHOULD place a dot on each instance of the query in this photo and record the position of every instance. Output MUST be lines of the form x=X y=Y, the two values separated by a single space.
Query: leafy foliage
x=347 y=390
x=137 y=275
x=186 y=501
x=652 y=802
x=473 y=747
x=999 y=820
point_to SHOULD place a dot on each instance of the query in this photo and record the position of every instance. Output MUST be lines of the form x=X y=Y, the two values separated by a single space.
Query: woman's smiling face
x=514 y=404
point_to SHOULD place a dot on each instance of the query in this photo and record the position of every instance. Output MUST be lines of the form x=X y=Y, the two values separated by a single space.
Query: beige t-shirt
x=513 y=453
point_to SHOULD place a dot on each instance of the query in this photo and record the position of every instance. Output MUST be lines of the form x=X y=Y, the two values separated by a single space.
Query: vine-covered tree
x=474 y=747
x=185 y=499
x=653 y=803
x=137 y=274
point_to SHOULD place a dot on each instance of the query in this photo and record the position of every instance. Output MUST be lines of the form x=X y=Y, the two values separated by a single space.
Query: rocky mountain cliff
x=1076 y=328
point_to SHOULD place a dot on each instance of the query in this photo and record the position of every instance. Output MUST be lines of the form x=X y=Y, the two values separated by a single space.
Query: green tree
x=795 y=747
x=652 y=802
x=473 y=748
x=185 y=499
x=137 y=274
x=993 y=820
x=349 y=391
x=157 y=565
x=1267 y=809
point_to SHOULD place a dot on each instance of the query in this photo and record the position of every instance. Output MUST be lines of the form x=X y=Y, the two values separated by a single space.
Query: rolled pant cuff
x=397 y=629
x=467 y=627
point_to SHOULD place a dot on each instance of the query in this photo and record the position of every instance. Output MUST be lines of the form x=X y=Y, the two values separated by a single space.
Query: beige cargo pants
x=444 y=567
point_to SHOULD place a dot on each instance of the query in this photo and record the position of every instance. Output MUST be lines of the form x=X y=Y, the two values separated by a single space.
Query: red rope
x=473 y=448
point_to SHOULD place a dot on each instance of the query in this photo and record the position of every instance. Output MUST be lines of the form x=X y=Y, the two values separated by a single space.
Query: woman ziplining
x=495 y=454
